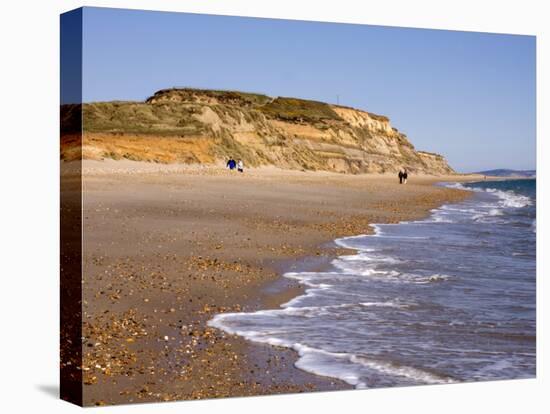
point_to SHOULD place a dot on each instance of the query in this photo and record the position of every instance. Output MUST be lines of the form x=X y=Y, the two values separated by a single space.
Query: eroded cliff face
x=187 y=125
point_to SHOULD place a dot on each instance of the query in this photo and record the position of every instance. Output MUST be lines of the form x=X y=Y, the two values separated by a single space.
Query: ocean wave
x=421 y=279
x=313 y=279
x=508 y=198
x=328 y=364
x=347 y=242
x=315 y=311
x=358 y=267
x=439 y=219
x=458 y=186
x=491 y=211
x=388 y=304
x=404 y=371
x=348 y=367
x=362 y=257
x=487 y=216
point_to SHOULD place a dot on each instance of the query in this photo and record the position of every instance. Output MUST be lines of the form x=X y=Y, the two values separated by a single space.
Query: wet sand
x=168 y=247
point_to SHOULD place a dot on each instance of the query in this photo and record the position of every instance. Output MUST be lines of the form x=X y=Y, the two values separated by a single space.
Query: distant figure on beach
x=400 y=175
x=240 y=166
x=231 y=164
x=405 y=176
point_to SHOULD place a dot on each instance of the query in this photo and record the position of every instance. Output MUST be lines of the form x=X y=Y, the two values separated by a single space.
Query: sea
x=450 y=298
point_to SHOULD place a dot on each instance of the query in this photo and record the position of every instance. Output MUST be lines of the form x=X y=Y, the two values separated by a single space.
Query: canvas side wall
x=71 y=208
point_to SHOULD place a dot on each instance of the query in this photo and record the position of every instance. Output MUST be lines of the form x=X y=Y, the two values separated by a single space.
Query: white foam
x=433 y=278
x=345 y=242
x=359 y=269
x=310 y=293
x=440 y=219
x=312 y=360
x=316 y=311
x=388 y=304
x=345 y=366
x=328 y=364
x=482 y=216
x=308 y=278
x=457 y=185
x=362 y=257
x=402 y=371
x=348 y=367
x=377 y=229
x=508 y=198
x=419 y=279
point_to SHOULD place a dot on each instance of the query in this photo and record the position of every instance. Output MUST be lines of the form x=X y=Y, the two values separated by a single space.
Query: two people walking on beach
x=403 y=175
x=232 y=164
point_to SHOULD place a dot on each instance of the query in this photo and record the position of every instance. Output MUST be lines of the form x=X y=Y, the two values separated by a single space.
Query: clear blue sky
x=468 y=96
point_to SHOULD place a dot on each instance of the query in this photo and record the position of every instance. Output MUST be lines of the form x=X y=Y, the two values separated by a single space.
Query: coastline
x=206 y=241
x=333 y=337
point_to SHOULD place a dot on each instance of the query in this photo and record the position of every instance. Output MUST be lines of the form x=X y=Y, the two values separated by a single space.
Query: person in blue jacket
x=231 y=164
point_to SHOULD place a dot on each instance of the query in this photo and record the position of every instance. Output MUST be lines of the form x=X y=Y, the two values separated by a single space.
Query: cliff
x=207 y=126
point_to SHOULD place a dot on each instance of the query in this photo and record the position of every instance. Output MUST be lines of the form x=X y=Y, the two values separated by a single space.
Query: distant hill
x=503 y=172
x=209 y=126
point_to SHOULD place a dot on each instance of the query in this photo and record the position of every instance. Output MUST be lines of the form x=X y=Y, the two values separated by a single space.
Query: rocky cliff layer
x=206 y=126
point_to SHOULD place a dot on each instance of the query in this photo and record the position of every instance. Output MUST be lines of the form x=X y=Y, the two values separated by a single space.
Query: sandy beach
x=166 y=247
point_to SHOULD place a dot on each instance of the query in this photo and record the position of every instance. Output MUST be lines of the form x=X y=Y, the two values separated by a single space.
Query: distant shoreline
x=110 y=166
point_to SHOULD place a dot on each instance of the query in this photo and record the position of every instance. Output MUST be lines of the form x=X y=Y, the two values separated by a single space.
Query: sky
x=468 y=96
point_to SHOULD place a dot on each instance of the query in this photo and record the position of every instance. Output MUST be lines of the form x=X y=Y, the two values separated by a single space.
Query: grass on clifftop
x=226 y=97
x=174 y=112
x=293 y=109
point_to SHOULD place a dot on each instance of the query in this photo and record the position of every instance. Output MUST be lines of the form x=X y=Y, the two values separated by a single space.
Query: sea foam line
x=508 y=198
x=342 y=365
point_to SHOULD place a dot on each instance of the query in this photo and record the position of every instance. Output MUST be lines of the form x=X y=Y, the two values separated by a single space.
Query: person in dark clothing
x=231 y=164
x=405 y=176
x=400 y=175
